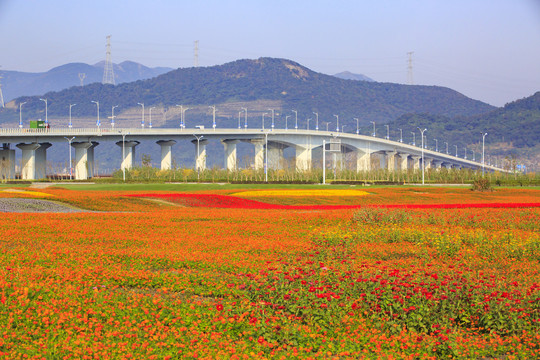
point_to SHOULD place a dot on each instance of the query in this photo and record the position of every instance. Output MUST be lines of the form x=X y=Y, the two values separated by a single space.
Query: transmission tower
x=409 y=69
x=196 y=53
x=82 y=76
x=1 y=96
x=108 y=73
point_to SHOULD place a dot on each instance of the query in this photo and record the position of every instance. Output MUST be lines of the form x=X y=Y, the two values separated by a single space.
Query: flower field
x=396 y=273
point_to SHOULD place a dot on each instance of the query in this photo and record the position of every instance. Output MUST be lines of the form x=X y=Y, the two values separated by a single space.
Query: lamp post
x=46 y=118
x=245 y=119
x=327 y=125
x=465 y=157
x=357 y=127
x=387 y=132
x=423 y=163
x=337 y=122
x=150 y=120
x=197 y=160
x=266 y=157
x=239 y=113
x=456 y=150
x=316 y=120
x=213 y=107
x=98 y=123
x=287 y=118
x=69 y=147
x=413 y=138
x=446 y=148
x=308 y=123
x=181 y=115
x=142 y=121
x=112 y=116
x=400 y=135
x=20 y=113
x=70 y=125
x=436 y=145
x=296 y=121
x=263 y=119
x=272 y=110
x=184 y=117
x=483 y=162
x=343 y=128
x=374 y=129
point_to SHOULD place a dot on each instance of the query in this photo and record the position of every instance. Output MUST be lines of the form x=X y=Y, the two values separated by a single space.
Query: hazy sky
x=486 y=49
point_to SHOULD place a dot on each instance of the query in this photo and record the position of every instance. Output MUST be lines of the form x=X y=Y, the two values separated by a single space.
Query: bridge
x=367 y=152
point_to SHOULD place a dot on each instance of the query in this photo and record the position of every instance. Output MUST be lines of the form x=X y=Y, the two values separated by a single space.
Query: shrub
x=482 y=184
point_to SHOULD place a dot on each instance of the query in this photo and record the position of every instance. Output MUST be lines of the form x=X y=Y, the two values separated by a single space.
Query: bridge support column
x=275 y=156
x=390 y=157
x=28 y=166
x=303 y=158
x=166 y=153
x=90 y=159
x=363 y=161
x=259 y=153
x=437 y=164
x=127 y=149
x=428 y=162
x=230 y=161
x=7 y=162
x=200 y=154
x=41 y=160
x=403 y=162
x=81 y=160
x=416 y=162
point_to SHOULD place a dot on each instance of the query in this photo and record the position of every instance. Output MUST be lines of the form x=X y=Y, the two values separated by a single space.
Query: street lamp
x=213 y=116
x=446 y=148
x=483 y=163
x=245 y=121
x=308 y=123
x=327 y=125
x=413 y=138
x=272 y=110
x=337 y=122
x=456 y=150
x=20 y=113
x=239 y=113
x=343 y=128
x=181 y=116
x=98 y=123
x=69 y=147
x=112 y=116
x=316 y=120
x=70 y=125
x=142 y=121
x=465 y=157
x=387 y=132
x=198 y=153
x=263 y=119
x=436 y=145
x=150 y=120
x=296 y=121
x=46 y=118
x=266 y=157
x=400 y=135
x=357 y=126
x=286 y=118
x=374 y=129
x=423 y=163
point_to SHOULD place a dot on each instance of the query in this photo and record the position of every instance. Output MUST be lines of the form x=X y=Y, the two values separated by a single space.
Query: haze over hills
x=347 y=75
x=16 y=83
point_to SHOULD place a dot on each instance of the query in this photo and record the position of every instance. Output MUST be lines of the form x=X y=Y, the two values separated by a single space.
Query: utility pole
x=108 y=72
x=423 y=163
x=196 y=54
x=410 y=69
x=82 y=76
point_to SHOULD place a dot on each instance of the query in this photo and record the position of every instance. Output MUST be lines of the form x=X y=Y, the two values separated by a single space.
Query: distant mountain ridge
x=17 y=83
x=347 y=75
x=287 y=84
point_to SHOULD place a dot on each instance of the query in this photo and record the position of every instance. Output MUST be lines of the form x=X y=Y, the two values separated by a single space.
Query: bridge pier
x=275 y=156
x=81 y=159
x=259 y=153
x=41 y=160
x=200 y=154
x=416 y=162
x=230 y=160
x=28 y=166
x=428 y=162
x=303 y=158
x=90 y=159
x=166 y=153
x=403 y=161
x=128 y=153
x=437 y=164
x=7 y=164
x=390 y=160
x=363 y=161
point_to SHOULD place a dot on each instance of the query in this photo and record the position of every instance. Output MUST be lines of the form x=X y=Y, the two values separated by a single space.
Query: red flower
x=219 y=307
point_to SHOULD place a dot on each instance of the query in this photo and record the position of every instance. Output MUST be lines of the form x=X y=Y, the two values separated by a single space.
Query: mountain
x=253 y=84
x=513 y=130
x=16 y=83
x=347 y=75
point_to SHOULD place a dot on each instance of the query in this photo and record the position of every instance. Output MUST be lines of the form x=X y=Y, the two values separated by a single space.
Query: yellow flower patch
x=26 y=192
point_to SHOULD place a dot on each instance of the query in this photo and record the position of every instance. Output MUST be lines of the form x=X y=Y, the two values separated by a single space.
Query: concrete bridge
x=366 y=152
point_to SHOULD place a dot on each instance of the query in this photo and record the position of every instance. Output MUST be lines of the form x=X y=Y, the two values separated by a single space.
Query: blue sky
x=486 y=49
